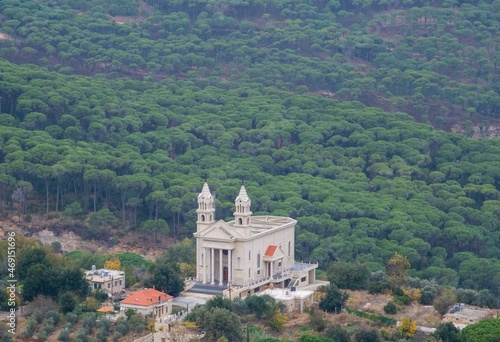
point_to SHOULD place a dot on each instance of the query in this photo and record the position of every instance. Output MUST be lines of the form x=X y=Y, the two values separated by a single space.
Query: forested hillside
x=222 y=91
x=436 y=60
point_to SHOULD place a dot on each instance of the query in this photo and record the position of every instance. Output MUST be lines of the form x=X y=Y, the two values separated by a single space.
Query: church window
x=248 y=221
x=258 y=260
x=249 y=272
x=289 y=247
x=240 y=221
x=202 y=218
x=249 y=255
x=238 y=262
x=211 y=217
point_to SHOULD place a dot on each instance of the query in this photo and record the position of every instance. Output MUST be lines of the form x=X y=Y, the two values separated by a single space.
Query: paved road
x=189 y=301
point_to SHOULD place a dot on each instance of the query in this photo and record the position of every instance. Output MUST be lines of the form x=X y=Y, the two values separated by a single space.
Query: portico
x=216 y=266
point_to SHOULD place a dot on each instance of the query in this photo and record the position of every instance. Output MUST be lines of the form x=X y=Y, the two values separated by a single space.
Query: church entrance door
x=224 y=274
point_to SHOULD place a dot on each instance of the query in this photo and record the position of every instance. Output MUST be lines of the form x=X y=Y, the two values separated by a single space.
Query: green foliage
x=444 y=300
x=317 y=320
x=261 y=306
x=166 y=278
x=67 y=302
x=367 y=335
x=337 y=333
x=484 y=331
x=278 y=320
x=165 y=111
x=101 y=295
x=349 y=275
x=313 y=338
x=219 y=322
x=334 y=300
x=391 y=308
x=374 y=317
x=447 y=332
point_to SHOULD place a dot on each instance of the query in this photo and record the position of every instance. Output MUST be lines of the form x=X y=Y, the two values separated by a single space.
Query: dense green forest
x=186 y=91
x=437 y=60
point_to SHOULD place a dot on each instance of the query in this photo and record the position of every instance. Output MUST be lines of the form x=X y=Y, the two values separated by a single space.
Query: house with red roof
x=149 y=301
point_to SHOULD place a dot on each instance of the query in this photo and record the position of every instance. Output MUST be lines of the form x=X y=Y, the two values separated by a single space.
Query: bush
x=64 y=335
x=89 y=321
x=42 y=335
x=390 y=308
x=382 y=319
x=367 y=336
x=117 y=336
x=71 y=317
x=338 y=334
x=56 y=317
x=37 y=316
x=30 y=327
x=48 y=326
x=101 y=295
x=317 y=320
x=82 y=335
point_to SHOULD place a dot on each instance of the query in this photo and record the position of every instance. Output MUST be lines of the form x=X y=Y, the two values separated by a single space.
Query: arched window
x=202 y=218
x=211 y=217
x=248 y=221
x=240 y=221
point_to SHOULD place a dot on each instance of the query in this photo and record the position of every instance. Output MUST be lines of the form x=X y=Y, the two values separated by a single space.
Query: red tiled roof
x=271 y=249
x=146 y=297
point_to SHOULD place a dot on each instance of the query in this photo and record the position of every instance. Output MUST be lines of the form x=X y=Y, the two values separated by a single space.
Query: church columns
x=220 y=267
x=204 y=262
x=230 y=267
x=212 y=266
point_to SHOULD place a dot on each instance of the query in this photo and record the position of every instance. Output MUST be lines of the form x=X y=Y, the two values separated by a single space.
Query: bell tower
x=242 y=214
x=206 y=209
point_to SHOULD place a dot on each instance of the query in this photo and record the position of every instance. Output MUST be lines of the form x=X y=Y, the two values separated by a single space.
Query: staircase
x=207 y=289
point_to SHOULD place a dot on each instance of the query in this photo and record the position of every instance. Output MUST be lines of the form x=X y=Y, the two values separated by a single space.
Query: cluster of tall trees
x=362 y=183
x=221 y=91
x=425 y=58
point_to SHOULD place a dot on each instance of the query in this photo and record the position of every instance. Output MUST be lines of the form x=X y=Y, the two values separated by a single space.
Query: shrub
x=48 y=326
x=71 y=317
x=56 y=317
x=30 y=328
x=89 y=321
x=382 y=319
x=337 y=333
x=37 y=316
x=64 y=335
x=82 y=335
x=390 y=308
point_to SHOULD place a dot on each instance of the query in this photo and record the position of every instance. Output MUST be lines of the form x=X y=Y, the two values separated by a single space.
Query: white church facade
x=249 y=253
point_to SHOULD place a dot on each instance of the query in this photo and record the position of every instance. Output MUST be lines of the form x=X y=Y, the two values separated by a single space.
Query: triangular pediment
x=273 y=252
x=220 y=230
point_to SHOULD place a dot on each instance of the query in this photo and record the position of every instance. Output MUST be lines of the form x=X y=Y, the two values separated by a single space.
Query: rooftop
x=104 y=275
x=146 y=297
x=284 y=294
x=260 y=224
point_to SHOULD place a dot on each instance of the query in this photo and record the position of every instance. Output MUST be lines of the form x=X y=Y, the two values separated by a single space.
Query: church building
x=249 y=253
